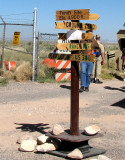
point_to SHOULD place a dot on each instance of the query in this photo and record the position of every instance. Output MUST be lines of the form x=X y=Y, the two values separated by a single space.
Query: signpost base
x=71 y=142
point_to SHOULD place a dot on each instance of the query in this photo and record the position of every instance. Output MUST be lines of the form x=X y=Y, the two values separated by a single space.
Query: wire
x=17 y=14
x=18 y=19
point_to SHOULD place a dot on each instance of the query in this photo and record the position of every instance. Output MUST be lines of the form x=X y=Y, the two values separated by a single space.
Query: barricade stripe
x=66 y=64
x=69 y=77
x=63 y=76
x=60 y=64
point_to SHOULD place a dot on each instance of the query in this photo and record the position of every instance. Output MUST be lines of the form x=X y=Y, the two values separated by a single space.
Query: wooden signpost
x=74 y=138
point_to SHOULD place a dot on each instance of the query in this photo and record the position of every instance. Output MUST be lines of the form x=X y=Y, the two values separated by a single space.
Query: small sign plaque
x=73 y=57
x=73 y=46
x=16 y=38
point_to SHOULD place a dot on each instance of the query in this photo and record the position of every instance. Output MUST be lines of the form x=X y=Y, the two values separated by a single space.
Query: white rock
x=45 y=147
x=92 y=130
x=102 y=157
x=75 y=154
x=25 y=137
x=57 y=129
x=42 y=139
x=28 y=145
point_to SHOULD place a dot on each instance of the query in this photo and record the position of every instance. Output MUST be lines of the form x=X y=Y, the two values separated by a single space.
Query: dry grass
x=23 y=72
x=9 y=74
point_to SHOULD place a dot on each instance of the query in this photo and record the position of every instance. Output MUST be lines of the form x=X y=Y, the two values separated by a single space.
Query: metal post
x=3 y=45
x=2 y=57
x=34 y=43
x=38 y=53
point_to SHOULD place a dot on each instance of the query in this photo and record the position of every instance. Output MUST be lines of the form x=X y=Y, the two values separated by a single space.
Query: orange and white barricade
x=64 y=65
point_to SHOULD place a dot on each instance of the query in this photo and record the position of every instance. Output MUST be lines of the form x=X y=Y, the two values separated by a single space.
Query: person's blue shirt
x=97 y=54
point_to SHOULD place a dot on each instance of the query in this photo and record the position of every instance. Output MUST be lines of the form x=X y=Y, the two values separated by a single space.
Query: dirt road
x=32 y=108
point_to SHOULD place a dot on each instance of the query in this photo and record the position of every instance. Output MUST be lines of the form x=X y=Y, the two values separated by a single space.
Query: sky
x=111 y=12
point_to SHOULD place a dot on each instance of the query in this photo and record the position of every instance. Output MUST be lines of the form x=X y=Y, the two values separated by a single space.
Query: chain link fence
x=46 y=44
x=20 y=23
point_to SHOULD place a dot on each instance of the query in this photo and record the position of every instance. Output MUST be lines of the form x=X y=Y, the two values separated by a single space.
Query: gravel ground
x=32 y=108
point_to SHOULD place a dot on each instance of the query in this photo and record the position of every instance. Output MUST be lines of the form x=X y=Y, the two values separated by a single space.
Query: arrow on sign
x=94 y=16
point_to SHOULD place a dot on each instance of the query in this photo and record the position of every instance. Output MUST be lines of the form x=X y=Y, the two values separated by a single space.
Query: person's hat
x=97 y=36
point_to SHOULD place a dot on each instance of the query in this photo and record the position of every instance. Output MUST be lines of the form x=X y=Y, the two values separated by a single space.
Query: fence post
x=107 y=59
x=38 y=53
x=3 y=45
x=34 y=43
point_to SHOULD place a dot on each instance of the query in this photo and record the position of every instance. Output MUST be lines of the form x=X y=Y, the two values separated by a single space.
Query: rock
x=57 y=129
x=92 y=130
x=102 y=157
x=75 y=154
x=42 y=139
x=28 y=145
x=25 y=137
x=45 y=147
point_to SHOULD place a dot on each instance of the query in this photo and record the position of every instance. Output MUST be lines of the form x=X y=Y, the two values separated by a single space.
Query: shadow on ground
x=122 y=89
x=64 y=86
x=118 y=77
x=40 y=127
x=120 y=103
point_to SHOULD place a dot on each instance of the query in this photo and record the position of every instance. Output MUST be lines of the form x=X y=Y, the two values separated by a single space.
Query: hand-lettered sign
x=75 y=25
x=74 y=46
x=16 y=38
x=72 y=14
x=73 y=57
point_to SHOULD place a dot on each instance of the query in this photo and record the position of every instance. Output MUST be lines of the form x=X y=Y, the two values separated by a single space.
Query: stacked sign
x=64 y=45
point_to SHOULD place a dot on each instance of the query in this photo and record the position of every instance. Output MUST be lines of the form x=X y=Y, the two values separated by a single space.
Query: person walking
x=100 y=60
x=87 y=67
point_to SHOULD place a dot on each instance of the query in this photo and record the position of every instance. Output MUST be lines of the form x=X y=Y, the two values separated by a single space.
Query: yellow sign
x=72 y=14
x=16 y=38
x=73 y=46
x=73 y=57
x=75 y=25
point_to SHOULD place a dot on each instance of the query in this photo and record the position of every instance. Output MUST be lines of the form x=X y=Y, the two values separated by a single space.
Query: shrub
x=9 y=75
x=46 y=74
x=23 y=72
x=3 y=82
